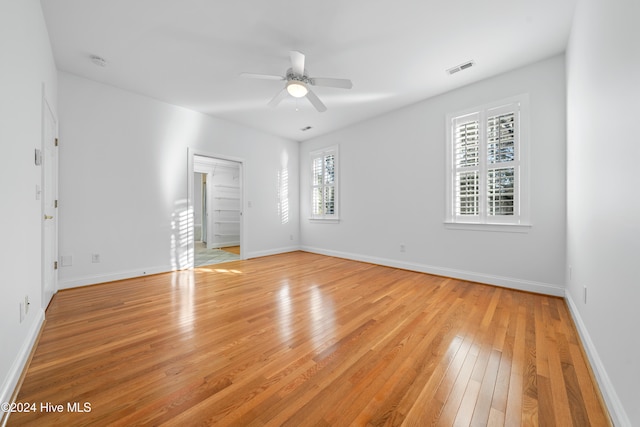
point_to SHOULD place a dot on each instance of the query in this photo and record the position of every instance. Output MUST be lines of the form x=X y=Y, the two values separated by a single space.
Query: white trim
x=141 y=272
x=112 y=277
x=325 y=220
x=614 y=405
x=19 y=364
x=506 y=228
x=276 y=251
x=46 y=107
x=506 y=282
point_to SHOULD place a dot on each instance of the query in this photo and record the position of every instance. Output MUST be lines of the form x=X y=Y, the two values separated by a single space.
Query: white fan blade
x=279 y=97
x=297 y=62
x=313 y=98
x=323 y=81
x=261 y=76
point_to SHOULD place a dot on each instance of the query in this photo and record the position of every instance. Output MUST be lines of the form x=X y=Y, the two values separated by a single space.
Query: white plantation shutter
x=502 y=162
x=467 y=193
x=316 y=191
x=467 y=165
x=501 y=191
x=324 y=199
x=485 y=167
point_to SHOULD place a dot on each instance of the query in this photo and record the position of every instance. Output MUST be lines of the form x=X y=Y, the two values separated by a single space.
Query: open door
x=49 y=205
x=224 y=205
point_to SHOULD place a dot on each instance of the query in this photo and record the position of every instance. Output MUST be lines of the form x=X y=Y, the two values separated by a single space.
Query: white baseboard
x=111 y=277
x=13 y=376
x=506 y=282
x=276 y=251
x=616 y=410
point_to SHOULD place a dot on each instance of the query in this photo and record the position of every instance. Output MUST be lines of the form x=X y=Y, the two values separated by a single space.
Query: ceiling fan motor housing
x=291 y=76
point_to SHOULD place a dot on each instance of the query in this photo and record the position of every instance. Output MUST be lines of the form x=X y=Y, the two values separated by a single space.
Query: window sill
x=503 y=228
x=324 y=220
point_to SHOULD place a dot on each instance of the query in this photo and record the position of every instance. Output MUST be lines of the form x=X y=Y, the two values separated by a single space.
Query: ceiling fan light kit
x=298 y=82
x=297 y=89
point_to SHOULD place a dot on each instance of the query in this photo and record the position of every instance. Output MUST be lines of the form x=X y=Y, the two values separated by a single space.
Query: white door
x=208 y=217
x=49 y=206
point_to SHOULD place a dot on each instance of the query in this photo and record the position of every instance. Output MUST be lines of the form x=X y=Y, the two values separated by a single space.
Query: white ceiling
x=190 y=52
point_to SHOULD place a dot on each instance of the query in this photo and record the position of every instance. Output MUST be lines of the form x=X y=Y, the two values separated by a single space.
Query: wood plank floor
x=306 y=340
x=232 y=249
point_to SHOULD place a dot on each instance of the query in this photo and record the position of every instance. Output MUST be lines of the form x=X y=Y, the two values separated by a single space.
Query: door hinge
x=56 y=143
x=55 y=203
x=55 y=265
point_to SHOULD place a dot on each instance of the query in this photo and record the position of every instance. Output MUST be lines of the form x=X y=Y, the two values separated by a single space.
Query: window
x=324 y=184
x=487 y=177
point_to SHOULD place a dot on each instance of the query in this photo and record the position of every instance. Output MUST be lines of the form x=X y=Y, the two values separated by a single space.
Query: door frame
x=48 y=241
x=191 y=153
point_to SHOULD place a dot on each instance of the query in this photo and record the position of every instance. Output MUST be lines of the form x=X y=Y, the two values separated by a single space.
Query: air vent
x=304 y=129
x=98 y=60
x=461 y=67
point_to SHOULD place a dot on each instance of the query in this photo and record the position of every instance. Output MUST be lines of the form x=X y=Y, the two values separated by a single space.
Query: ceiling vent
x=98 y=60
x=461 y=67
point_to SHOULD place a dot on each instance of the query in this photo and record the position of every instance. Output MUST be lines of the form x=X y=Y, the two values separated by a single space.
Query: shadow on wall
x=181 y=236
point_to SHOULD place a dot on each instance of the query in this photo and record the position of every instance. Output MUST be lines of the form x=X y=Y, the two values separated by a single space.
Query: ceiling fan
x=298 y=82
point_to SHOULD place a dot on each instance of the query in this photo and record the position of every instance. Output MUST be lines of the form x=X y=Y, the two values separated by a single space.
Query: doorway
x=216 y=195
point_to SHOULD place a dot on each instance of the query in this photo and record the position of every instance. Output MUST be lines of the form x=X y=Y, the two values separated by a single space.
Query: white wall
x=392 y=183
x=123 y=181
x=27 y=64
x=603 y=228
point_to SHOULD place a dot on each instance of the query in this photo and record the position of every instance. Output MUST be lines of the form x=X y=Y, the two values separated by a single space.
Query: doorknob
x=48 y=217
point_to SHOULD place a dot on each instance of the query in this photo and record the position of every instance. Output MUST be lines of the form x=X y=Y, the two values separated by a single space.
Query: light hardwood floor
x=306 y=340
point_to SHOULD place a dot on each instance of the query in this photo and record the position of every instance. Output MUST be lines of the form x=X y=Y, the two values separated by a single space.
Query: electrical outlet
x=403 y=248
x=26 y=304
x=290 y=236
x=95 y=258
x=585 y=294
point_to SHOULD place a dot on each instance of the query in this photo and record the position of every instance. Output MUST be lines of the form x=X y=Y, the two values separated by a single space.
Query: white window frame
x=519 y=221
x=321 y=154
